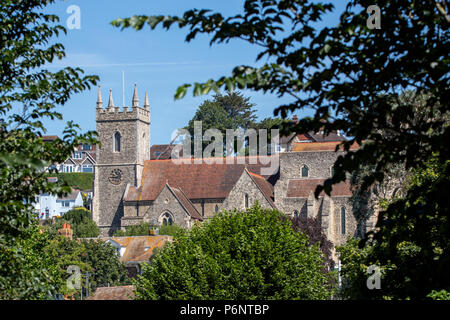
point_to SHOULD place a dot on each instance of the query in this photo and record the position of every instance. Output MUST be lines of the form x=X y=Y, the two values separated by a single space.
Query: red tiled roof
x=197 y=181
x=301 y=188
x=49 y=138
x=113 y=293
x=162 y=151
x=320 y=146
x=265 y=187
x=186 y=203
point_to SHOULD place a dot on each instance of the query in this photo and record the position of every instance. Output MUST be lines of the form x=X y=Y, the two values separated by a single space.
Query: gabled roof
x=197 y=181
x=263 y=185
x=302 y=188
x=186 y=203
x=71 y=196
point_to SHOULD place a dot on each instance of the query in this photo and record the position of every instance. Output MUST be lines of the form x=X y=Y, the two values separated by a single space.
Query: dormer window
x=77 y=155
x=117 y=142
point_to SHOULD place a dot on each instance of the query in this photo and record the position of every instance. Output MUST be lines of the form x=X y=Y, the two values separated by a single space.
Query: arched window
x=246 y=200
x=217 y=208
x=166 y=219
x=343 y=220
x=117 y=142
x=295 y=214
x=305 y=171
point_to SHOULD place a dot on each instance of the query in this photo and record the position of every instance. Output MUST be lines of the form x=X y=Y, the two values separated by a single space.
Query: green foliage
x=439 y=295
x=412 y=245
x=143 y=229
x=344 y=72
x=80 y=222
x=229 y=111
x=104 y=260
x=76 y=180
x=25 y=271
x=28 y=94
x=96 y=257
x=237 y=255
x=173 y=230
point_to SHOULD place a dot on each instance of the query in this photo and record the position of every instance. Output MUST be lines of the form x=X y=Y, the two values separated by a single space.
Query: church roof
x=186 y=203
x=265 y=187
x=302 y=188
x=320 y=146
x=197 y=181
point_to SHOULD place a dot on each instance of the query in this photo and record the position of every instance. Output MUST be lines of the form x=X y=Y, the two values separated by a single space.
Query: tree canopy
x=29 y=93
x=350 y=74
x=237 y=255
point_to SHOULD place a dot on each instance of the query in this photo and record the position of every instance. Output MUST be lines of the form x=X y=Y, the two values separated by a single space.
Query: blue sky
x=157 y=61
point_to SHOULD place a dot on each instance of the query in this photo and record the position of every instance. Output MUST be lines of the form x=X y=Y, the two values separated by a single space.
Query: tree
x=80 y=221
x=237 y=255
x=353 y=76
x=230 y=111
x=412 y=247
x=344 y=73
x=143 y=229
x=104 y=260
x=28 y=94
x=312 y=228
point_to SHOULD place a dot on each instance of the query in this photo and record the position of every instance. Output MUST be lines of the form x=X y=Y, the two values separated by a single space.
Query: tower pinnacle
x=111 y=101
x=99 y=98
x=146 y=103
x=135 y=97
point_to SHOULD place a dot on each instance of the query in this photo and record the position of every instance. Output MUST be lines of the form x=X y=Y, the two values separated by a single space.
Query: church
x=131 y=188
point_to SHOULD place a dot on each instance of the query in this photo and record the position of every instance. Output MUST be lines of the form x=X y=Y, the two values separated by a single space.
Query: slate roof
x=197 y=181
x=113 y=293
x=71 y=196
x=301 y=188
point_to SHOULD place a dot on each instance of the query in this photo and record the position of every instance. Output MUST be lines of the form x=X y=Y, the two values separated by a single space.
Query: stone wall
x=236 y=197
x=114 y=170
x=167 y=202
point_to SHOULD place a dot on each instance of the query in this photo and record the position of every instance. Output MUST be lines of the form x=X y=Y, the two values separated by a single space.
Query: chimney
x=66 y=231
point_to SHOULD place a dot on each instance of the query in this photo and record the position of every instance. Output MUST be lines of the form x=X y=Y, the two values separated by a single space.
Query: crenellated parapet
x=115 y=113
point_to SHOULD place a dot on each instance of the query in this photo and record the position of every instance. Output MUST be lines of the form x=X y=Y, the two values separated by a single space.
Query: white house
x=48 y=206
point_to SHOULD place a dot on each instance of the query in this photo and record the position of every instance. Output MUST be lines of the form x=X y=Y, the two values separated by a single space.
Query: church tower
x=125 y=145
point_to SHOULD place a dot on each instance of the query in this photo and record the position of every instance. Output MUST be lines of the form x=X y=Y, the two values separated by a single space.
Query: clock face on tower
x=115 y=177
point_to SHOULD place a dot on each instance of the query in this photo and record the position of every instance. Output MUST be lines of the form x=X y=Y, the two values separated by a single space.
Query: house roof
x=113 y=293
x=302 y=188
x=136 y=246
x=71 y=196
x=320 y=146
x=197 y=181
x=49 y=138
